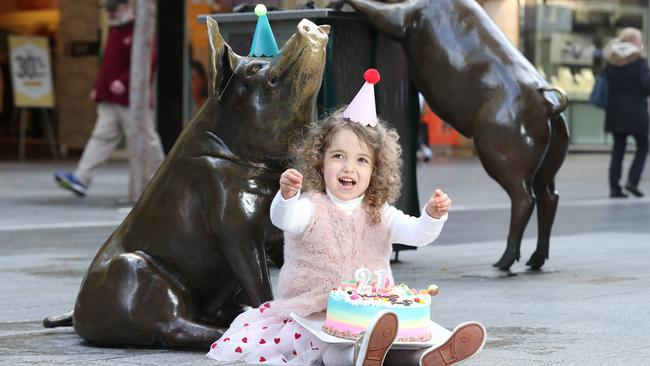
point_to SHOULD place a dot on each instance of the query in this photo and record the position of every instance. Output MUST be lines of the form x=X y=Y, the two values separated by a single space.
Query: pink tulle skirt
x=258 y=336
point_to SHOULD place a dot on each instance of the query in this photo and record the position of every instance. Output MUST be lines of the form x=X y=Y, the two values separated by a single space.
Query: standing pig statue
x=191 y=252
x=479 y=83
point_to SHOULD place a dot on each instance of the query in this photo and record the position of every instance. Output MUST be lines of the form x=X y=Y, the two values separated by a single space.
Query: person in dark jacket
x=111 y=92
x=628 y=77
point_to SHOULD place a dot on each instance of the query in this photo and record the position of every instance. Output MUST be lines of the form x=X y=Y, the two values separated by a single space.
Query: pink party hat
x=362 y=108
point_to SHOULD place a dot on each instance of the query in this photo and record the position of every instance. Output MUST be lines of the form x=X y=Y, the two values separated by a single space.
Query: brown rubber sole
x=381 y=338
x=464 y=342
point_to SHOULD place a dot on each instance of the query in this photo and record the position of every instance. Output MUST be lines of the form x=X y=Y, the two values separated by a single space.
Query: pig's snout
x=313 y=32
x=303 y=54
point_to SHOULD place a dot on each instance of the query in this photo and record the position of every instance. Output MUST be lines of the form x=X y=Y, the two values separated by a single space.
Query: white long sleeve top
x=294 y=215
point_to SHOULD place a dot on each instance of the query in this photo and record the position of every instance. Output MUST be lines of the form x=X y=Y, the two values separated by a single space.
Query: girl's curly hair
x=385 y=181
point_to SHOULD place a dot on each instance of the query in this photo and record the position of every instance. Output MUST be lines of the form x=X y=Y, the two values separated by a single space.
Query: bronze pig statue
x=478 y=82
x=191 y=252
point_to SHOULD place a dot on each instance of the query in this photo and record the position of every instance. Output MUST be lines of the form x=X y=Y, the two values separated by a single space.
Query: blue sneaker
x=70 y=182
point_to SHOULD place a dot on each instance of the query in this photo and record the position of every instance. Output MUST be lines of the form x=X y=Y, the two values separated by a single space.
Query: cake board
x=314 y=324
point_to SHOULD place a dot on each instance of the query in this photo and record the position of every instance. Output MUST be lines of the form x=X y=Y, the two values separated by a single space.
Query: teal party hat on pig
x=263 y=41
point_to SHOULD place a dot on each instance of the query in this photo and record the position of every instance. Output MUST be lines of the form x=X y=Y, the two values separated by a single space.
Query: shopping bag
x=599 y=93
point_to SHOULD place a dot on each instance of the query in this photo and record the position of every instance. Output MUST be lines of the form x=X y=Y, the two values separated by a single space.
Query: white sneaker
x=372 y=346
x=465 y=342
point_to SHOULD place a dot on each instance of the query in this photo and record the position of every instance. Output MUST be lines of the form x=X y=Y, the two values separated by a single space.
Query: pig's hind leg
x=512 y=160
x=129 y=300
x=544 y=188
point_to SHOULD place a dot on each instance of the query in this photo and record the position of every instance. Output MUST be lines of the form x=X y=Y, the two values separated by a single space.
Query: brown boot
x=371 y=348
x=465 y=341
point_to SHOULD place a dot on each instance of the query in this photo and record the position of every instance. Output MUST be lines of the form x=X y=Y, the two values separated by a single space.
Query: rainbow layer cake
x=350 y=311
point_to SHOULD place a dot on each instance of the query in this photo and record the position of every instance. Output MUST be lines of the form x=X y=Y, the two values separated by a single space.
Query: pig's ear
x=222 y=59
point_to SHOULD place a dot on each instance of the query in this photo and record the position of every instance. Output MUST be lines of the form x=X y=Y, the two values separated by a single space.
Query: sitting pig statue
x=191 y=252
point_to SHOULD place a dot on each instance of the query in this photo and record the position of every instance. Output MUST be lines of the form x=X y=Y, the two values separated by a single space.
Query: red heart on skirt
x=262 y=341
x=297 y=335
x=262 y=359
x=238 y=350
x=276 y=340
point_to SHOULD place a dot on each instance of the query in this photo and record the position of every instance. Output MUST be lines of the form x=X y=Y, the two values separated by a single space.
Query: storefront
x=564 y=39
x=37 y=18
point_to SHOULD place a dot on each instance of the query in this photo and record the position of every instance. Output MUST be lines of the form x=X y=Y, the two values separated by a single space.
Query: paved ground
x=589 y=307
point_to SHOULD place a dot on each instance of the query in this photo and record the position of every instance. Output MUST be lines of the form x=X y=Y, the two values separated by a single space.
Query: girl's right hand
x=290 y=183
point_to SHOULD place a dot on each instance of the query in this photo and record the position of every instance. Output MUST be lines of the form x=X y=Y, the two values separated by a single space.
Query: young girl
x=345 y=220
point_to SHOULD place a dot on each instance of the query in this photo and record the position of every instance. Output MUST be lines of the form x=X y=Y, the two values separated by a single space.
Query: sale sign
x=30 y=71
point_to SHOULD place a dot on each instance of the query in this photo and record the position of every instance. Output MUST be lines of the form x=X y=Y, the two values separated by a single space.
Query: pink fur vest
x=332 y=247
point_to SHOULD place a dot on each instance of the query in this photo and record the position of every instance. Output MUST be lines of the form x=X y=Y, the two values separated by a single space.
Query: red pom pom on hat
x=362 y=108
x=372 y=76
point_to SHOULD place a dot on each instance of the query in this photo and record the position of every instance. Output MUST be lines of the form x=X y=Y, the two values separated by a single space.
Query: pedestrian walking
x=628 y=80
x=114 y=118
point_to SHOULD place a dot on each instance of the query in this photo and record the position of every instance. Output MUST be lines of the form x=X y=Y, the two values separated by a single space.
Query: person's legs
x=615 y=165
x=423 y=142
x=153 y=148
x=636 y=169
x=103 y=140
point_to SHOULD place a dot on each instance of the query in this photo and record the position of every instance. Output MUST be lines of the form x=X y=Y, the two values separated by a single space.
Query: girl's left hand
x=438 y=204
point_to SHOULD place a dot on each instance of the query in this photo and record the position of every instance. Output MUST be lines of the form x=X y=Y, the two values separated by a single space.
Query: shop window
x=570 y=36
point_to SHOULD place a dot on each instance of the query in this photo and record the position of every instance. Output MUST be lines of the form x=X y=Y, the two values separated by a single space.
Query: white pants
x=338 y=355
x=112 y=121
